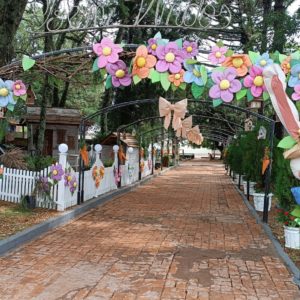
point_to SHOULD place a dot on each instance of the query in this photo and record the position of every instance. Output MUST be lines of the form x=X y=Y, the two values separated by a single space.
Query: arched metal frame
x=225 y=105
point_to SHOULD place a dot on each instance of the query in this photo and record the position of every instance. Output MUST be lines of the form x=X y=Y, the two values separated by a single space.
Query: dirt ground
x=13 y=218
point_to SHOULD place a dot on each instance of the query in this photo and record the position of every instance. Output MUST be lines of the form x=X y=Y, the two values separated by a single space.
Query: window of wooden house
x=61 y=136
x=71 y=142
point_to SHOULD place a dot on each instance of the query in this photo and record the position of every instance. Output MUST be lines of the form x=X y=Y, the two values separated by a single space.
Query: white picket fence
x=17 y=183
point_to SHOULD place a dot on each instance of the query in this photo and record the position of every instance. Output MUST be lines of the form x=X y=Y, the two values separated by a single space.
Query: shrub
x=38 y=163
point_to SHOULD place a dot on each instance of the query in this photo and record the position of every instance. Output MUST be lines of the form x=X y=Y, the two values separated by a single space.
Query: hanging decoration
x=165 y=109
x=187 y=124
x=194 y=135
x=266 y=160
x=85 y=156
x=262 y=133
x=121 y=155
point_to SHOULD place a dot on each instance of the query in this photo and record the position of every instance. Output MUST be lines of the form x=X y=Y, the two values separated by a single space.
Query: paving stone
x=184 y=235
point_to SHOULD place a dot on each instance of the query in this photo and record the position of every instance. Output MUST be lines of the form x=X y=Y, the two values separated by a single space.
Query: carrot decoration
x=266 y=161
x=121 y=155
x=84 y=155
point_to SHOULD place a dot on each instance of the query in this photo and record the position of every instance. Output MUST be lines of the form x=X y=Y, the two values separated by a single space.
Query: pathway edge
x=19 y=239
x=280 y=251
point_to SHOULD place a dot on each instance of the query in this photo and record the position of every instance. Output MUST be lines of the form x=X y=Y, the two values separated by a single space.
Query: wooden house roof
x=126 y=138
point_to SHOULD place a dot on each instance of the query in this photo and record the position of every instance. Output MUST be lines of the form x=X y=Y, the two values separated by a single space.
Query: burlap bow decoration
x=194 y=135
x=186 y=125
x=179 y=109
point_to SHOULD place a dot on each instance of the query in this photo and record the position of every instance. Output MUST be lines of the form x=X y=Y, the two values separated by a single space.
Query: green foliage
x=285 y=217
x=108 y=163
x=38 y=163
x=283 y=180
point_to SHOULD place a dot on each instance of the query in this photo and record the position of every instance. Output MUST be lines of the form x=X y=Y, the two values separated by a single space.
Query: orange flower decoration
x=143 y=62
x=241 y=62
x=177 y=78
x=286 y=65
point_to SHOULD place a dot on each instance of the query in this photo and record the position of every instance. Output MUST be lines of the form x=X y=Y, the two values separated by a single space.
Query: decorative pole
x=117 y=164
x=63 y=152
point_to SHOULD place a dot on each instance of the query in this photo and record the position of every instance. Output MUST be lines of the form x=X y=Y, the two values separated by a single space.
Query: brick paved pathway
x=184 y=235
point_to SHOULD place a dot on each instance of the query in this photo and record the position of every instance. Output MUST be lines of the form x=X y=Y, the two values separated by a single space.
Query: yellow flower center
x=299 y=75
x=141 y=62
x=74 y=184
x=237 y=62
x=106 y=51
x=170 y=57
x=218 y=54
x=258 y=81
x=177 y=76
x=263 y=62
x=4 y=92
x=224 y=84
x=288 y=65
x=55 y=172
x=153 y=47
x=189 y=49
x=196 y=73
x=69 y=178
x=120 y=73
x=17 y=86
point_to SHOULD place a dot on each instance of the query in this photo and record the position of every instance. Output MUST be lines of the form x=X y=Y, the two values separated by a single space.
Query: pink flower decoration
x=217 y=55
x=190 y=49
x=107 y=51
x=170 y=58
x=225 y=85
x=152 y=46
x=296 y=94
x=19 y=88
x=119 y=73
x=255 y=81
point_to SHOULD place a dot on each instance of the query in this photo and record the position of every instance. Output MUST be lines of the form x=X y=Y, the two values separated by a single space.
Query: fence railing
x=17 y=183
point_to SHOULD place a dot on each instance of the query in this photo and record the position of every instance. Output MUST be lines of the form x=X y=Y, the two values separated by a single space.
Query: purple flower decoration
x=255 y=81
x=107 y=51
x=152 y=46
x=119 y=73
x=170 y=58
x=225 y=85
x=44 y=184
x=217 y=55
x=56 y=172
x=190 y=49
x=68 y=178
x=296 y=94
x=73 y=185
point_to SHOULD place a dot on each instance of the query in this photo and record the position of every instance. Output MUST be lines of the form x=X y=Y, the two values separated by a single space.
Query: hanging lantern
x=133 y=132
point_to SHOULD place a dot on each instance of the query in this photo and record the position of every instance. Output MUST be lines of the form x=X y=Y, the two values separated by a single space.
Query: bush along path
x=184 y=235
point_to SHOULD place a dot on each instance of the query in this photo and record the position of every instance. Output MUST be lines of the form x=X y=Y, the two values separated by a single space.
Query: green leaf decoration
x=162 y=42
x=217 y=102
x=164 y=80
x=182 y=86
x=179 y=43
x=229 y=53
x=154 y=76
x=249 y=95
x=95 y=65
x=27 y=63
x=282 y=57
x=254 y=56
x=266 y=96
x=287 y=143
x=108 y=83
x=24 y=97
x=191 y=61
x=197 y=90
x=296 y=211
x=203 y=74
x=136 y=79
x=10 y=107
x=296 y=55
x=219 y=69
x=241 y=94
x=158 y=35
x=298 y=105
x=103 y=73
x=275 y=56
x=220 y=44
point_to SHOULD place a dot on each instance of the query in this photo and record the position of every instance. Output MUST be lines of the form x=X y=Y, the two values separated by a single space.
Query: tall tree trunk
x=267 y=5
x=279 y=38
x=11 y=12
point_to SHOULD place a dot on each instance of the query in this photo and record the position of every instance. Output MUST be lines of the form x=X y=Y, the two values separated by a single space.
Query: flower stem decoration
x=225 y=85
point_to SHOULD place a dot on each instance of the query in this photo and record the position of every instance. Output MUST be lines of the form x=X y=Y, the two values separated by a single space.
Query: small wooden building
x=126 y=139
x=62 y=126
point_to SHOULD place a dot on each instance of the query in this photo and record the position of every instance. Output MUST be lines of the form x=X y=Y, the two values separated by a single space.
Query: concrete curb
x=286 y=259
x=31 y=233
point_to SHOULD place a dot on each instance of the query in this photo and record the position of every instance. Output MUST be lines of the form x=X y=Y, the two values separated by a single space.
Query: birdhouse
x=31 y=97
x=248 y=124
x=262 y=133
x=256 y=103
